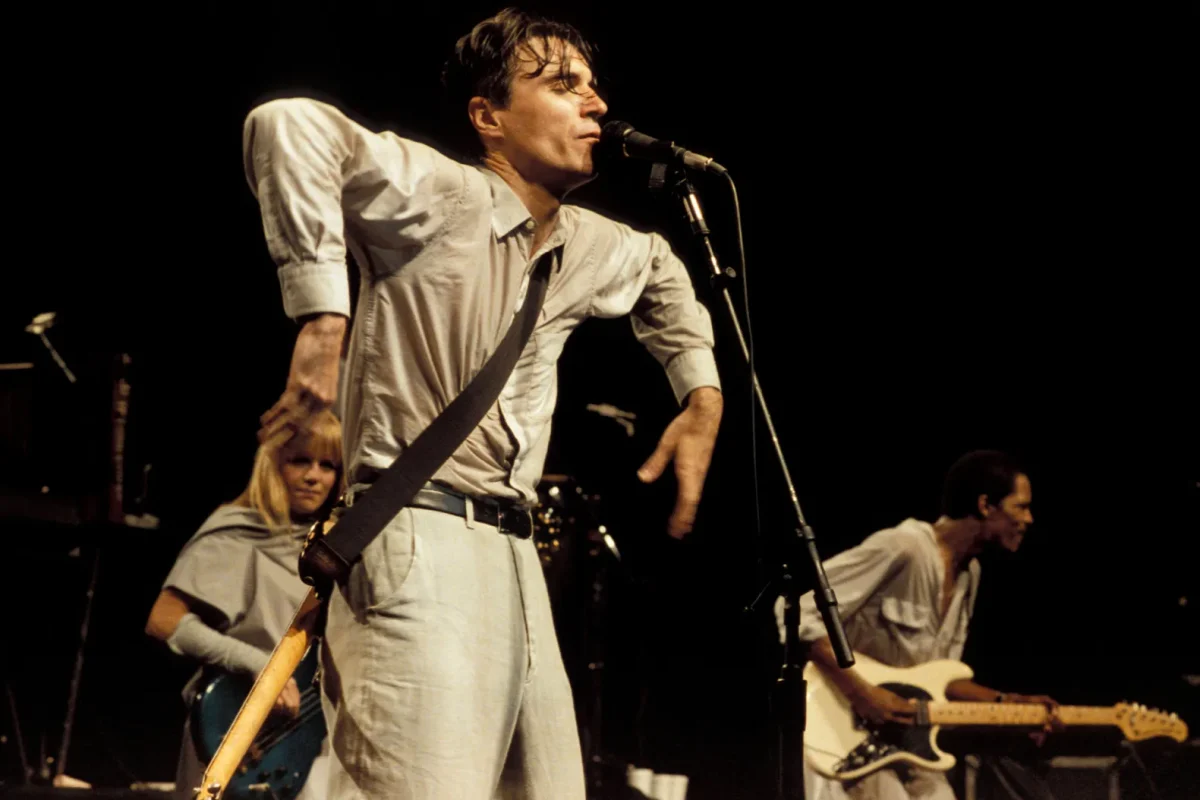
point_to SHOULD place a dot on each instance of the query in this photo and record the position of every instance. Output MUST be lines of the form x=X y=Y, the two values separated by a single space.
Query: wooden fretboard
x=1027 y=714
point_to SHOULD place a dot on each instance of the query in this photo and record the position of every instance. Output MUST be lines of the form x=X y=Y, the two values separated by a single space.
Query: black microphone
x=621 y=138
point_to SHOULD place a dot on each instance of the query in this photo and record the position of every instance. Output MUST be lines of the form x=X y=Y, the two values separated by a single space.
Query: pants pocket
x=378 y=579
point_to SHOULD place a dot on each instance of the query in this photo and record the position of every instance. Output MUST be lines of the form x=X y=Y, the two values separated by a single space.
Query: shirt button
x=530 y=224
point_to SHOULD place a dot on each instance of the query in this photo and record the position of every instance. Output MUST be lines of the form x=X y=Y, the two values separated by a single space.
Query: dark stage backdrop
x=964 y=228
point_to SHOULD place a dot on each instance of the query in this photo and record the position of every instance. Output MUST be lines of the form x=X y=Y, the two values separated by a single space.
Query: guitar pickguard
x=891 y=738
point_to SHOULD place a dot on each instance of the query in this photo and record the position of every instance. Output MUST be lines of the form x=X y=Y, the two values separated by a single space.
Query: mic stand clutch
x=789 y=700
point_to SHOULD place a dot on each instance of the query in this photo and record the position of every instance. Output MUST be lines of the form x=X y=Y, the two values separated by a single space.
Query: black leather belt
x=507 y=516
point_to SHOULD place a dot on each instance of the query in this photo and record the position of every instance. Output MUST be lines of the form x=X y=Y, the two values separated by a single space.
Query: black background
x=965 y=226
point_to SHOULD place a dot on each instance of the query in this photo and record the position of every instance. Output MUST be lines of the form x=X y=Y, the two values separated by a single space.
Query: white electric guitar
x=840 y=745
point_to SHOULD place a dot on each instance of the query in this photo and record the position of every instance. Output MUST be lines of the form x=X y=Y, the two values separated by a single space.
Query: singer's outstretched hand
x=688 y=441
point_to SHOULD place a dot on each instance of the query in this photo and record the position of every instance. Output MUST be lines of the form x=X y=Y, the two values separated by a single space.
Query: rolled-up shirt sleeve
x=854 y=575
x=640 y=274
x=314 y=171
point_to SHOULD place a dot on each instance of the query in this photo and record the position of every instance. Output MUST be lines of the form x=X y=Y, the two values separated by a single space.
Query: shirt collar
x=508 y=212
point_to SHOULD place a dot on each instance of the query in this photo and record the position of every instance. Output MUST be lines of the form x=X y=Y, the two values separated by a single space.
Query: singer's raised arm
x=310 y=167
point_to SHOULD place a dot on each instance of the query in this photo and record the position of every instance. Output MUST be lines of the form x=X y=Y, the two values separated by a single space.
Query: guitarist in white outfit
x=906 y=595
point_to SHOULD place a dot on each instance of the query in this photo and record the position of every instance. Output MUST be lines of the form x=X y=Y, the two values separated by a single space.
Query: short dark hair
x=980 y=472
x=484 y=60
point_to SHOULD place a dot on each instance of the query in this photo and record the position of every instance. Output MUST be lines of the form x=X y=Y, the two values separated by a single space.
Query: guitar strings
x=284 y=733
x=308 y=705
x=308 y=710
x=288 y=730
x=309 y=700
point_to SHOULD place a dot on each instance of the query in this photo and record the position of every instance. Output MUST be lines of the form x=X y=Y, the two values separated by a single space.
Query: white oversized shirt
x=443 y=249
x=889 y=592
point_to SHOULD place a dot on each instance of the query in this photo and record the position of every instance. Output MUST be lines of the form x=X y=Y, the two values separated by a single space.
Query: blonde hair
x=266 y=492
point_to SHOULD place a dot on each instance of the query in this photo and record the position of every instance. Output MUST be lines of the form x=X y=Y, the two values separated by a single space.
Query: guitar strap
x=327 y=558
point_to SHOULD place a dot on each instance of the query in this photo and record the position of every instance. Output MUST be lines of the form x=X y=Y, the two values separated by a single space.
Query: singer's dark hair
x=980 y=472
x=485 y=60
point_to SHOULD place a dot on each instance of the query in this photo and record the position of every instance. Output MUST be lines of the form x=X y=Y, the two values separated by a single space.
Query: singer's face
x=551 y=122
x=1006 y=523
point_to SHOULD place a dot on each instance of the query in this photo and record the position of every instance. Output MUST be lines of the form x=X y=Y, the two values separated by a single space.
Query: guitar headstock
x=1138 y=722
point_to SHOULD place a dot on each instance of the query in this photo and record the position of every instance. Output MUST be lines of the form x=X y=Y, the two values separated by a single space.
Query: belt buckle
x=517 y=521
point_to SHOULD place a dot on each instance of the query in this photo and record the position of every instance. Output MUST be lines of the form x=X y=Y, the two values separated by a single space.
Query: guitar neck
x=1026 y=714
x=254 y=710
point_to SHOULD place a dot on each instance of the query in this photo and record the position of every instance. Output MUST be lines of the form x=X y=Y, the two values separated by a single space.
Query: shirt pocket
x=905 y=620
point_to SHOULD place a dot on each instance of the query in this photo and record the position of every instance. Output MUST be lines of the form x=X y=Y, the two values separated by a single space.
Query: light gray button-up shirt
x=889 y=592
x=443 y=249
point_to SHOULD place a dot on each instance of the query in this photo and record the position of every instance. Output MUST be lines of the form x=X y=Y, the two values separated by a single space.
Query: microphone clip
x=674 y=177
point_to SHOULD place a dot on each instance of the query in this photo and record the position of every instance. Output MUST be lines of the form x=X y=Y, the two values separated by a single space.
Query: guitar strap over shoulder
x=327 y=559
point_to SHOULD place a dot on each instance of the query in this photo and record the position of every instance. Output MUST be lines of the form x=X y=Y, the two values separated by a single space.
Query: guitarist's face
x=309 y=480
x=1005 y=524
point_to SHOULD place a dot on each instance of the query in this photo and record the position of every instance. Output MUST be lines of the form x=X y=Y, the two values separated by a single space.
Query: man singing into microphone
x=442 y=674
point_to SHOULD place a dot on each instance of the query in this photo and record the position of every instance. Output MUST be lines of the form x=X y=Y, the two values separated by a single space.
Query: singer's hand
x=689 y=441
x=312 y=382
